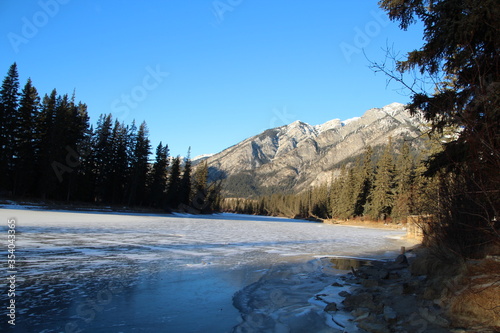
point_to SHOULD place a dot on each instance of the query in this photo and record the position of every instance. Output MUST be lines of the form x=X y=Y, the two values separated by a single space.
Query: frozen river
x=100 y=272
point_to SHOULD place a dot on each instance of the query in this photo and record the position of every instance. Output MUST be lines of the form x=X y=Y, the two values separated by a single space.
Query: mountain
x=294 y=157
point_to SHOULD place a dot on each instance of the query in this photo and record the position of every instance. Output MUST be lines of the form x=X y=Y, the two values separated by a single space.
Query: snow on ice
x=108 y=272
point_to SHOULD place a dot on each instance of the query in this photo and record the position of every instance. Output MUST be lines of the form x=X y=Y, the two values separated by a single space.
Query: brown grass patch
x=477 y=301
x=365 y=223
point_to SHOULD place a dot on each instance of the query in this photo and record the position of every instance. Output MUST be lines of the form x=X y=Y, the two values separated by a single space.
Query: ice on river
x=108 y=272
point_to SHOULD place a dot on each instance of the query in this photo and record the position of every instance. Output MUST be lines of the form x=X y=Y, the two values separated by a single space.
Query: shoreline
x=367 y=224
x=393 y=296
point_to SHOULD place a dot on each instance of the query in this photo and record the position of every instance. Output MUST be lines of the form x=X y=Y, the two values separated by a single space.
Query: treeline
x=49 y=150
x=389 y=186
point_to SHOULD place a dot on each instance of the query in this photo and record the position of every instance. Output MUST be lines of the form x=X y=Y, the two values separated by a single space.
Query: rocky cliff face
x=297 y=156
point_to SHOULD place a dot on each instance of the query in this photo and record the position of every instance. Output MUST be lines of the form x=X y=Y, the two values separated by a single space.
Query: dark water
x=148 y=301
x=158 y=299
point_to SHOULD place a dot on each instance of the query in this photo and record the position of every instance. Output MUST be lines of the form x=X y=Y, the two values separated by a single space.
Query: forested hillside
x=388 y=184
x=51 y=151
x=292 y=158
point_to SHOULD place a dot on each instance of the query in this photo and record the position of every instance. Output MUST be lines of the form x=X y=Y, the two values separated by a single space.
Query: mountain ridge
x=293 y=157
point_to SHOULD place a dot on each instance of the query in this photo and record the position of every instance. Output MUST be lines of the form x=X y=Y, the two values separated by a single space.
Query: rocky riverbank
x=393 y=296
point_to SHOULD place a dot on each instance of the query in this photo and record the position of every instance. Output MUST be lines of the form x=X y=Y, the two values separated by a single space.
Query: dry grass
x=365 y=223
x=470 y=290
x=437 y=263
x=477 y=301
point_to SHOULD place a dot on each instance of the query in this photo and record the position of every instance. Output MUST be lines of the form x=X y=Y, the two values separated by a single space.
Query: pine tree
x=86 y=177
x=78 y=150
x=347 y=195
x=45 y=138
x=70 y=126
x=364 y=181
x=460 y=42
x=25 y=168
x=200 y=187
x=102 y=151
x=139 y=166
x=320 y=199
x=185 y=185
x=159 y=177
x=342 y=194
x=119 y=162
x=9 y=95
x=382 y=197
x=403 y=180
x=174 y=181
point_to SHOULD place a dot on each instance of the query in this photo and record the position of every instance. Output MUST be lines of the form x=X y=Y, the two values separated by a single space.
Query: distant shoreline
x=367 y=224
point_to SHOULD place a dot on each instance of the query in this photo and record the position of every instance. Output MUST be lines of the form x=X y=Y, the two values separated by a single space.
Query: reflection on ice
x=346 y=263
x=95 y=272
x=278 y=301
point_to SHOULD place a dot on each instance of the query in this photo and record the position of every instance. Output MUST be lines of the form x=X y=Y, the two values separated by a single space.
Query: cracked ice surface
x=103 y=272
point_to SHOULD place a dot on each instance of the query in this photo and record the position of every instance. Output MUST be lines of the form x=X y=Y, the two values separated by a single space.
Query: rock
x=362 y=316
x=382 y=273
x=401 y=260
x=331 y=307
x=369 y=283
x=408 y=288
x=374 y=327
x=442 y=322
x=318 y=297
x=336 y=284
x=376 y=272
x=419 y=325
x=433 y=318
x=359 y=312
x=430 y=294
x=390 y=315
x=361 y=300
x=397 y=290
x=344 y=293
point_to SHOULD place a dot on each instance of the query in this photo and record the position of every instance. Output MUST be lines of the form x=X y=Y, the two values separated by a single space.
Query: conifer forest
x=51 y=151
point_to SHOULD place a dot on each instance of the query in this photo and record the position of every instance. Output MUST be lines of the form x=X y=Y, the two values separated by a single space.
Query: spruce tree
x=139 y=166
x=185 y=185
x=119 y=162
x=78 y=150
x=364 y=181
x=200 y=186
x=102 y=151
x=382 y=196
x=320 y=199
x=174 y=181
x=460 y=54
x=159 y=177
x=342 y=194
x=403 y=181
x=335 y=189
x=25 y=168
x=86 y=177
x=45 y=138
x=9 y=96
x=348 y=195
x=70 y=124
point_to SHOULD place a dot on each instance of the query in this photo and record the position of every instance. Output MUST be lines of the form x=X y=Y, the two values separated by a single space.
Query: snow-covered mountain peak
x=201 y=158
x=393 y=108
x=299 y=155
x=331 y=124
x=300 y=128
x=350 y=120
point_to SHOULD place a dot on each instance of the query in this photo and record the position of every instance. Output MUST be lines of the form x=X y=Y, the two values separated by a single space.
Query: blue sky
x=206 y=73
